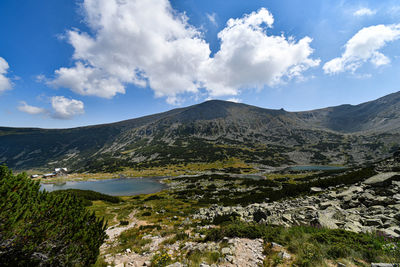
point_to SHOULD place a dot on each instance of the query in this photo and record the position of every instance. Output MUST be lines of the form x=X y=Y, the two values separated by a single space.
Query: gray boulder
x=381 y=179
x=325 y=219
x=284 y=256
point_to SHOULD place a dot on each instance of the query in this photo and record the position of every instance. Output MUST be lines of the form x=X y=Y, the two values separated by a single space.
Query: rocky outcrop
x=382 y=179
x=364 y=207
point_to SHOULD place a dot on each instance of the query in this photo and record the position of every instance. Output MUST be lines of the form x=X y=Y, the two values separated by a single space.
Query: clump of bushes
x=149 y=227
x=42 y=229
x=161 y=260
x=225 y=218
x=87 y=196
x=153 y=197
x=259 y=215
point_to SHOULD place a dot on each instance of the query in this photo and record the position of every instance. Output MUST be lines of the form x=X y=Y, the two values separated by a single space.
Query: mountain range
x=214 y=131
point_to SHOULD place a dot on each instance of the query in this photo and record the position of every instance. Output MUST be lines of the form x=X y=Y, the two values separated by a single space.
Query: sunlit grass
x=168 y=170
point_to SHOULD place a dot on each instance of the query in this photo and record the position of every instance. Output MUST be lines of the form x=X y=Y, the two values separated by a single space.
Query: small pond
x=113 y=187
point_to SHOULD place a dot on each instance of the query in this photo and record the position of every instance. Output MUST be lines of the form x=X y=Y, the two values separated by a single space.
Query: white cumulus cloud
x=364 y=46
x=135 y=42
x=64 y=108
x=249 y=57
x=24 y=107
x=147 y=43
x=5 y=83
x=61 y=108
x=364 y=12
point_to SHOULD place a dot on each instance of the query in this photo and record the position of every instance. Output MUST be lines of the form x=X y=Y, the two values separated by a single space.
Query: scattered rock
x=390 y=232
x=229 y=258
x=362 y=207
x=275 y=245
x=226 y=251
x=316 y=189
x=325 y=219
x=284 y=256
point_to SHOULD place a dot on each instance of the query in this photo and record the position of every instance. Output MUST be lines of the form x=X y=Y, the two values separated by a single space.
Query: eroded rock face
x=363 y=207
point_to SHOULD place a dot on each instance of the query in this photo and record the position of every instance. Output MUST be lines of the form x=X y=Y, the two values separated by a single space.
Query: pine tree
x=42 y=229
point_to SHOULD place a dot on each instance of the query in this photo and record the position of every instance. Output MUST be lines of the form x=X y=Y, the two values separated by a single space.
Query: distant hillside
x=211 y=131
x=381 y=115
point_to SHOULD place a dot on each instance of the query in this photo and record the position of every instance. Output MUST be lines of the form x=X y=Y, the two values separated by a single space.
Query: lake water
x=113 y=187
x=315 y=168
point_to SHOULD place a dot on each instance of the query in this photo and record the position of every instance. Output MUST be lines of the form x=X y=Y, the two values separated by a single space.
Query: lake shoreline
x=114 y=187
x=72 y=178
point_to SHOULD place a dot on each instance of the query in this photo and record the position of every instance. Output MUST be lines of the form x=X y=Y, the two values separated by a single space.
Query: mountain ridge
x=215 y=130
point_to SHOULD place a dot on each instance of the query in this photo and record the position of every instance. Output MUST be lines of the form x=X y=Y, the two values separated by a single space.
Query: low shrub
x=153 y=197
x=225 y=218
x=149 y=227
x=337 y=251
x=259 y=215
x=161 y=260
x=87 y=196
x=309 y=255
x=313 y=244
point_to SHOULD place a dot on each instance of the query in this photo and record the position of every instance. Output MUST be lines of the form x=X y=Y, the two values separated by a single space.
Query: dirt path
x=114 y=231
x=248 y=252
x=245 y=253
x=128 y=258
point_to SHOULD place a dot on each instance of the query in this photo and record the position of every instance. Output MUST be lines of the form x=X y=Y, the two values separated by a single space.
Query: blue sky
x=71 y=63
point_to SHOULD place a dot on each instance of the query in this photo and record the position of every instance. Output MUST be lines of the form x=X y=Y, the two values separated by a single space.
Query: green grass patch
x=312 y=245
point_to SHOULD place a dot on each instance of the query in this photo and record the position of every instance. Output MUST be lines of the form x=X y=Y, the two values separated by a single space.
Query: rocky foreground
x=370 y=206
x=373 y=205
x=173 y=228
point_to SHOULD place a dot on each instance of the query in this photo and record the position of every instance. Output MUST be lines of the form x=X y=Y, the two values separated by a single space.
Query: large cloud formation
x=364 y=46
x=146 y=42
x=5 y=83
x=248 y=57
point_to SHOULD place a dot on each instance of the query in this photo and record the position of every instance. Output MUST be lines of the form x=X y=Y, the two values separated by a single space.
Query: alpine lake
x=113 y=187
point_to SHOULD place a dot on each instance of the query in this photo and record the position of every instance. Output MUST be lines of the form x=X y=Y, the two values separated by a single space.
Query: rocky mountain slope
x=369 y=205
x=211 y=131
